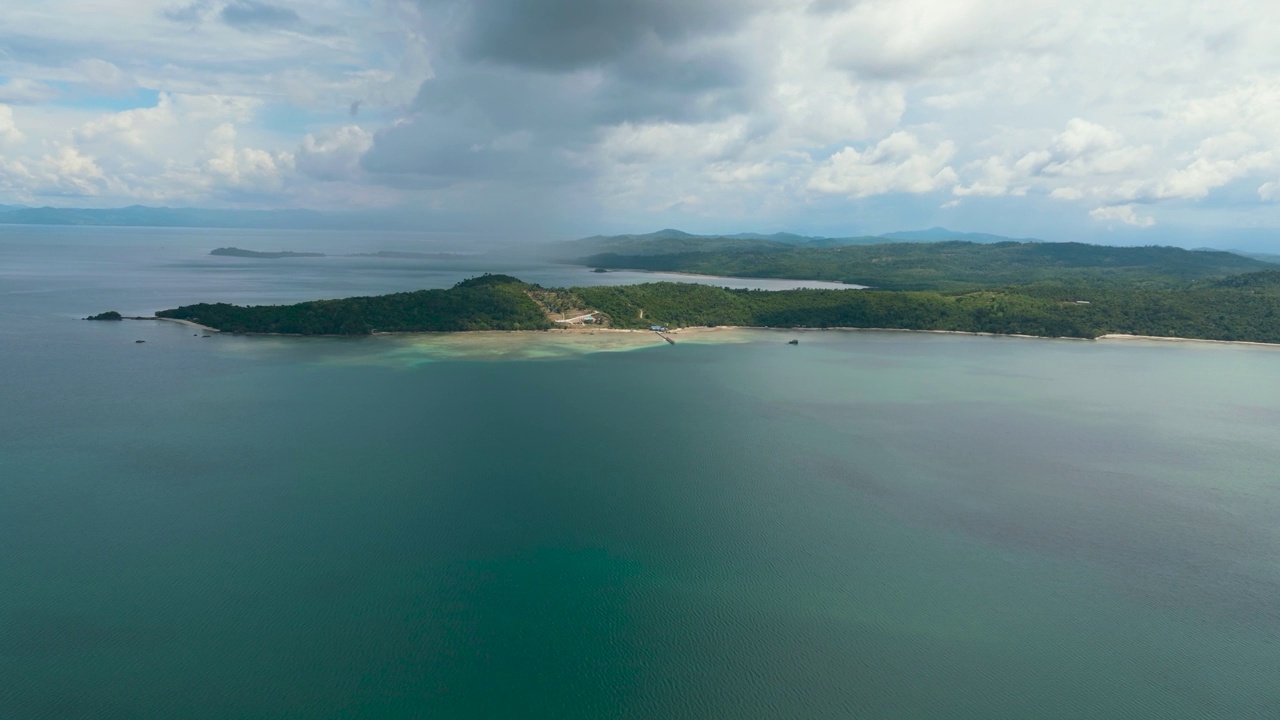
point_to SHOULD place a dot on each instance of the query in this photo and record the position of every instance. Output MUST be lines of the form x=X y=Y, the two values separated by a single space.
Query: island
x=385 y=254
x=408 y=255
x=1241 y=307
x=108 y=315
x=238 y=252
x=487 y=302
x=944 y=266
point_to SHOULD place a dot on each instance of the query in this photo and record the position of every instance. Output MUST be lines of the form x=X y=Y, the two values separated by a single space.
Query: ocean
x=864 y=525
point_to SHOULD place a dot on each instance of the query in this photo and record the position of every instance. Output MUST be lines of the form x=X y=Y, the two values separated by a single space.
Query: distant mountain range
x=1264 y=257
x=143 y=216
x=941 y=234
x=669 y=241
x=662 y=242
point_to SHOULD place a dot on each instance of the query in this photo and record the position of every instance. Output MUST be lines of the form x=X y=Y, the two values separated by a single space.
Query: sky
x=1135 y=121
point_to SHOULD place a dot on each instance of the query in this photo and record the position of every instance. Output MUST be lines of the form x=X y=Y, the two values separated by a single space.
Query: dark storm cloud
x=473 y=121
x=563 y=35
x=524 y=87
x=673 y=84
x=253 y=15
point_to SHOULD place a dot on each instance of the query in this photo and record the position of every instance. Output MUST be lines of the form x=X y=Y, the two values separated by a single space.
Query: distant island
x=392 y=254
x=948 y=265
x=237 y=252
x=405 y=255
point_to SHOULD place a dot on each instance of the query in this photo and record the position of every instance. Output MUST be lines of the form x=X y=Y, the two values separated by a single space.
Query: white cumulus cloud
x=333 y=154
x=898 y=163
x=1122 y=213
x=9 y=132
x=243 y=168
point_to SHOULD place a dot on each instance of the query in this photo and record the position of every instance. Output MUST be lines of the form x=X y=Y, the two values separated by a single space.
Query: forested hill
x=488 y=302
x=951 y=265
x=1248 y=310
x=1243 y=307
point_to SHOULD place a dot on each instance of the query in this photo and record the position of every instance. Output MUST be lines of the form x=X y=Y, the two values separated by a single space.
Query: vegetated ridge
x=1243 y=307
x=952 y=265
x=488 y=302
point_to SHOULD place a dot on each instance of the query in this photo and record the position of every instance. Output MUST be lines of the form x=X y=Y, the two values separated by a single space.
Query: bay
x=868 y=524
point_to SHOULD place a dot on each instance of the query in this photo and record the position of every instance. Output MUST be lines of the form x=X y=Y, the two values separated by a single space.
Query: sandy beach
x=695 y=332
x=188 y=323
x=578 y=338
x=1157 y=338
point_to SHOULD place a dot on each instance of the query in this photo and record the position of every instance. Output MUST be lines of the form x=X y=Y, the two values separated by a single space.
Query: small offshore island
x=278 y=254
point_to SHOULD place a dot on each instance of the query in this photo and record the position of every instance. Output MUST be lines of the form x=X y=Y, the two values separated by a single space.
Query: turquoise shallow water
x=878 y=525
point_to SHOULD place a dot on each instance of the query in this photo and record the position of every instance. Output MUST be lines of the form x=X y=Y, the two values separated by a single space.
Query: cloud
x=9 y=132
x=22 y=91
x=242 y=168
x=192 y=13
x=914 y=39
x=334 y=154
x=899 y=163
x=1216 y=162
x=64 y=172
x=1084 y=152
x=772 y=110
x=1090 y=161
x=105 y=77
x=184 y=147
x=254 y=15
x=1124 y=213
x=143 y=128
x=989 y=178
x=569 y=35
x=1086 y=149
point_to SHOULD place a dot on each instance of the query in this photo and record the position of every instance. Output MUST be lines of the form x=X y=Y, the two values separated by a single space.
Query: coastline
x=697 y=331
x=702 y=276
x=188 y=323
x=1107 y=337
x=1158 y=338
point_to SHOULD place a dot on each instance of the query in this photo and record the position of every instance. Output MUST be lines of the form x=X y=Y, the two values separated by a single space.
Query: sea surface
x=865 y=525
